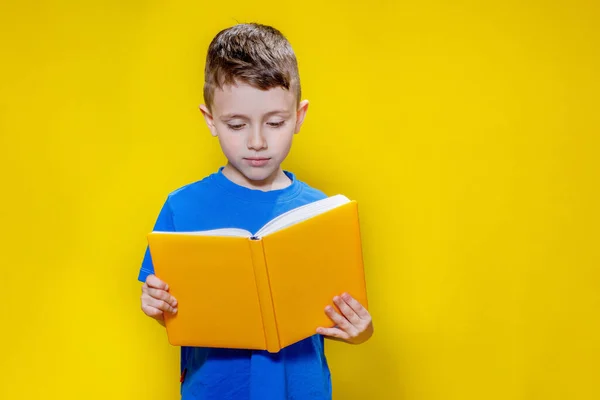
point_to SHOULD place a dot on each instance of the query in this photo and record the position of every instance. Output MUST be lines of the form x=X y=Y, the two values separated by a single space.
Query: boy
x=252 y=95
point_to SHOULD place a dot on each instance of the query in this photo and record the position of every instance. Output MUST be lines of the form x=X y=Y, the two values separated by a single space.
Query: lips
x=257 y=161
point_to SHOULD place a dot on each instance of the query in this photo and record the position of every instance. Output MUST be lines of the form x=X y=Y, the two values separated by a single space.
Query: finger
x=340 y=321
x=145 y=287
x=333 y=332
x=347 y=311
x=162 y=295
x=154 y=282
x=159 y=304
x=152 y=312
x=358 y=308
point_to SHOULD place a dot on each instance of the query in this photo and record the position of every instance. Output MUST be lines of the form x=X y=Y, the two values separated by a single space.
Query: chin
x=258 y=174
x=254 y=175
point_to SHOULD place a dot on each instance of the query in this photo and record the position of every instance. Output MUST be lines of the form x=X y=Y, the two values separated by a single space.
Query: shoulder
x=309 y=192
x=193 y=192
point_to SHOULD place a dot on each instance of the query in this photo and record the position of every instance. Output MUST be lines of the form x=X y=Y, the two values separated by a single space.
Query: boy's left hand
x=354 y=326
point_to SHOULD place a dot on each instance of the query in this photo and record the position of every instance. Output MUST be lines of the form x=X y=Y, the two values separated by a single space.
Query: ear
x=300 y=114
x=209 y=119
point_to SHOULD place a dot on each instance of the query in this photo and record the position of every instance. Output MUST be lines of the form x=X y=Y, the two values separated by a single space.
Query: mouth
x=257 y=161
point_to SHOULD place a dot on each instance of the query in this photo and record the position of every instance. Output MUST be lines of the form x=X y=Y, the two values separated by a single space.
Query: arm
x=156 y=299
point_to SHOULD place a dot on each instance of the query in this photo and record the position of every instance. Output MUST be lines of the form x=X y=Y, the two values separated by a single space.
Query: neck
x=277 y=180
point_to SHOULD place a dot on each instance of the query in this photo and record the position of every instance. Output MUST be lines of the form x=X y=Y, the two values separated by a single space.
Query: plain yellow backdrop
x=467 y=131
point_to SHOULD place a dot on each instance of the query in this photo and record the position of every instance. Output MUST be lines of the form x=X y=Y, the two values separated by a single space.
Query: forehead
x=241 y=98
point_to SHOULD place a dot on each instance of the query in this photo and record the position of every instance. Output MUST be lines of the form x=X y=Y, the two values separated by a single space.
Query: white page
x=280 y=222
x=215 y=232
x=302 y=213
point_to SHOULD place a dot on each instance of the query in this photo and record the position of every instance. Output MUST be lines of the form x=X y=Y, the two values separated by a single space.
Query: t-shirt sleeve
x=164 y=223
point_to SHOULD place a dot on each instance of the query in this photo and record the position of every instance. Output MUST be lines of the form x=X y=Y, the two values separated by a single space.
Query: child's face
x=255 y=129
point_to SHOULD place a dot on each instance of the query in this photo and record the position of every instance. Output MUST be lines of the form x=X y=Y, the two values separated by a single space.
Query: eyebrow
x=242 y=116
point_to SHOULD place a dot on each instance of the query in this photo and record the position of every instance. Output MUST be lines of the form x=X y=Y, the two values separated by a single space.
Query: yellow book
x=266 y=290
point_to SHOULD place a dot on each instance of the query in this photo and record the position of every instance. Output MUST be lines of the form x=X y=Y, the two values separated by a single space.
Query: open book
x=264 y=290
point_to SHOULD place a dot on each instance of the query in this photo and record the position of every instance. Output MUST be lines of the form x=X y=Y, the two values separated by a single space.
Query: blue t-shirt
x=299 y=371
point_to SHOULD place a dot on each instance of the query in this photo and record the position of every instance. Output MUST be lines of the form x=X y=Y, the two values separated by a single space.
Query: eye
x=235 y=127
x=276 y=124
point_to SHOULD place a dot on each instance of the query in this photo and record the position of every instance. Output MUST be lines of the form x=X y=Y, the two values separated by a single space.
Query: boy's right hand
x=156 y=299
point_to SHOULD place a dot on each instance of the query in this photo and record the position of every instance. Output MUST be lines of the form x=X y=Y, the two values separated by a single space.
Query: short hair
x=258 y=55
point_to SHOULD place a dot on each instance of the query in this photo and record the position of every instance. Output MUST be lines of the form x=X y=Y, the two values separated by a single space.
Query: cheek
x=230 y=143
x=283 y=142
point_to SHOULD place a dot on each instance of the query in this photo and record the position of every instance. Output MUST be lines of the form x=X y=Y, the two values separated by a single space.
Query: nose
x=256 y=140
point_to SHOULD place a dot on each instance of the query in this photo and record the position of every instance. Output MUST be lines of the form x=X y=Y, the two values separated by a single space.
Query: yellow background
x=468 y=132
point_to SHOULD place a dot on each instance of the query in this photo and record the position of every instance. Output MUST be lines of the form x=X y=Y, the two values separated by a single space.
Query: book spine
x=263 y=288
